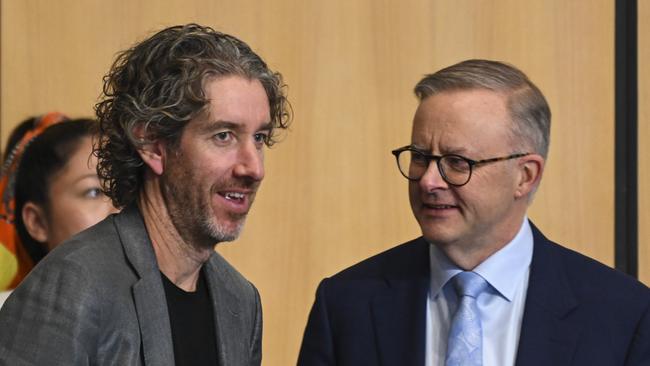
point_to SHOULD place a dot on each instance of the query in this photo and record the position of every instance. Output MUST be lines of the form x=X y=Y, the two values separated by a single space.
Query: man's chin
x=220 y=232
x=438 y=237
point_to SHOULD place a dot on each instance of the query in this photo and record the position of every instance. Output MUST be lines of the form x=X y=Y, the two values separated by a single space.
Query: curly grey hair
x=157 y=86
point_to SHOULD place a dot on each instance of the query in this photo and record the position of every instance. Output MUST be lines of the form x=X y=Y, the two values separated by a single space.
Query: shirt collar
x=442 y=270
x=502 y=270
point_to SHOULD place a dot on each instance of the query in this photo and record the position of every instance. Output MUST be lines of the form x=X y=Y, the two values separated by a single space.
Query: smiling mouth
x=233 y=196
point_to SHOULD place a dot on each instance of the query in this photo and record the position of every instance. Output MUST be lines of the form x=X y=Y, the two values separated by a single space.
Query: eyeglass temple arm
x=513 y=156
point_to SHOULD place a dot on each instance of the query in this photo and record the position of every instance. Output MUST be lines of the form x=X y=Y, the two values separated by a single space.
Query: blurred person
x=56 y=189
x=185 y=117
x=58 y=192
x=482 y=285
x=15 y=263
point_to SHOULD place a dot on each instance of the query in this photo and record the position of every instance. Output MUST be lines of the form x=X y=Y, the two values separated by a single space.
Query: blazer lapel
x=548 y=333
x=148 y=292
x=226 y=305
x=153 y=317
x=399 y=313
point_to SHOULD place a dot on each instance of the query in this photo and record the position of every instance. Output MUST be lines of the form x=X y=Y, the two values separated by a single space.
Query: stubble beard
x=192 y=214
x=215 y=230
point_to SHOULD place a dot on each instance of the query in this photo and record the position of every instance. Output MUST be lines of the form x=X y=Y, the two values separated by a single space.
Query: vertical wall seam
x=626 y=138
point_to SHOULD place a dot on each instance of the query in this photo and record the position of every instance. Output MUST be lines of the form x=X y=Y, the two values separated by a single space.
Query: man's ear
x=35 y=222
x=152 y=153
x=530 y=170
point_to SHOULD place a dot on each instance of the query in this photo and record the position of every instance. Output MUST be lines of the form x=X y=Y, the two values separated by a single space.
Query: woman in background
x=57 y=191
x=15 y=263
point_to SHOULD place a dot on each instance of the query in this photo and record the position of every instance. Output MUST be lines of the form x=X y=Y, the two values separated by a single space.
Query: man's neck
x=177 y=259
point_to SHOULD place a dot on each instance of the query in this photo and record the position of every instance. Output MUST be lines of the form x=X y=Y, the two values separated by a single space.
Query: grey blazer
x=99 y=300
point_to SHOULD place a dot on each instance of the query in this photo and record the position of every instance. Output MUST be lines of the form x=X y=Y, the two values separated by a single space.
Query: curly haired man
x=185 y=117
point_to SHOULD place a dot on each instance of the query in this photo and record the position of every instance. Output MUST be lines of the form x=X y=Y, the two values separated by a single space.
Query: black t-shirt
x=192 y=321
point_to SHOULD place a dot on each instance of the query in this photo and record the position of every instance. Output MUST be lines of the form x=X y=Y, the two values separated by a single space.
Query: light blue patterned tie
x=465 y=345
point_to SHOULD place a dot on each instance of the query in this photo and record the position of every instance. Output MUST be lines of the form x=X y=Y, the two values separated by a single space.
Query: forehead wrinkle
x=450 y=122
x=436 y=140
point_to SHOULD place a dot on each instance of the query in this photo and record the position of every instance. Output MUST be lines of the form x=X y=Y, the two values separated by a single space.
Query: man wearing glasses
x=482 y=286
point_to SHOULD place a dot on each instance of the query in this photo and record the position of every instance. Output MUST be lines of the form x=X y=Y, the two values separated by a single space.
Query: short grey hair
x=530 y=113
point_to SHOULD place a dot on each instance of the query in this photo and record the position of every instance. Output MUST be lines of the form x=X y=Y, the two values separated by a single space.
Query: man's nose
x=432 y=178
x=250 y=162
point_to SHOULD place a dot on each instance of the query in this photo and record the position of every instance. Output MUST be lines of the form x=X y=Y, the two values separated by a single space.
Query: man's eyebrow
x=443 y=149
x=266 y=127
x=455 y=150
x=214 y=126
x=228 y=125
x=219 y=125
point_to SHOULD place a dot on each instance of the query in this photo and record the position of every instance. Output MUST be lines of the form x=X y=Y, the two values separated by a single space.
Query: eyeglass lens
x=454 y=169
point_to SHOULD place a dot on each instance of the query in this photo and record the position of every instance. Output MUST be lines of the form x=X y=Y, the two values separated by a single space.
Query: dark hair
x=157 y=86
x=530 y=113
x=42 y=159
x=17 y=134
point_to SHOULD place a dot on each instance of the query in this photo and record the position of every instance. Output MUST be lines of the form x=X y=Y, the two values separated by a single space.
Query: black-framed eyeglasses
x=455 y=169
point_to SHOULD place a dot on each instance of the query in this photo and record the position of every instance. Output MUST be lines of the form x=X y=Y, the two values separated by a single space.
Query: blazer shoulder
x=96 y=249
x=590 y=277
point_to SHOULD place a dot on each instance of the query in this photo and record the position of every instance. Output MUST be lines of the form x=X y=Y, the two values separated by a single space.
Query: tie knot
x=469 y=284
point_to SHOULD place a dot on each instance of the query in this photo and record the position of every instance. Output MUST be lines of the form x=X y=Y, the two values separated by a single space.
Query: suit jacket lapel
x=548 y=333
x=148 y=292
x=399 y=312
x=226 y=307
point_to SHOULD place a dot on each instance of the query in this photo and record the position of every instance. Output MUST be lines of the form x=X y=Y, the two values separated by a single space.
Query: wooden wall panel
x=644 y=141
x=332 y=195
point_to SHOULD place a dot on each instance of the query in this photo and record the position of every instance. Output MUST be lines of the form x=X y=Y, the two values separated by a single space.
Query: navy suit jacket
x=577 y=312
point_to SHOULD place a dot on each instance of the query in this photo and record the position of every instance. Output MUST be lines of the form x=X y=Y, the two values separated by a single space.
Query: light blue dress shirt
x=501 y=306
